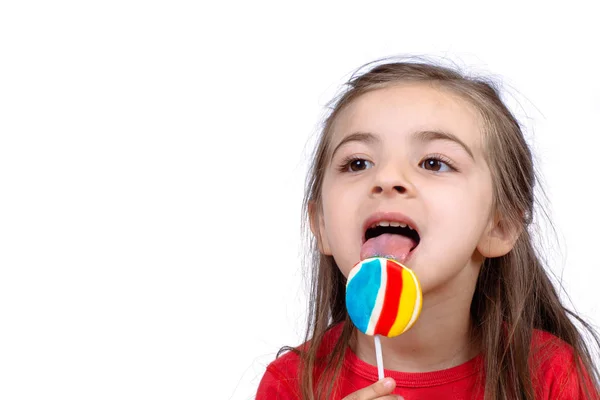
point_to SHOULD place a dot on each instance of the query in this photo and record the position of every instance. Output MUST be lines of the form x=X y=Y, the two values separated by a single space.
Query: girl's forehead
x=397 y=111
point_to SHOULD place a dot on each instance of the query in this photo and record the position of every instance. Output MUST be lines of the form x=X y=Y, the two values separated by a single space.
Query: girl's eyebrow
x=365 y=137
x=420 y=136
x=428 y=136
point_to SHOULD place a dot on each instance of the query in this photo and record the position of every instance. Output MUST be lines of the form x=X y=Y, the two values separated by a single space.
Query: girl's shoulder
x=281 y=378
x=289 y=357
x=555 y=370
x=542 y=342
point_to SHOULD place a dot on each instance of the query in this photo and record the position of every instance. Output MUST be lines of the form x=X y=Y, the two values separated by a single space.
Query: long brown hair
x=513 y=291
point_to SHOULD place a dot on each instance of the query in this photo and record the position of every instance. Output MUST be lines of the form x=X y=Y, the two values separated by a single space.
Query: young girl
x=418 y=145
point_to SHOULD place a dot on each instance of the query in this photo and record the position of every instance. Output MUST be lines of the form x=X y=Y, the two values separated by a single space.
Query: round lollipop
x=383 y=297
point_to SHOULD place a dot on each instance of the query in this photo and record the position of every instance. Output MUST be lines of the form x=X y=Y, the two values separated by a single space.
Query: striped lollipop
x=383 y=297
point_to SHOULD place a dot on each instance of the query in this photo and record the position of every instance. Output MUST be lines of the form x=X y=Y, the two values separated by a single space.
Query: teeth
x=392 y=223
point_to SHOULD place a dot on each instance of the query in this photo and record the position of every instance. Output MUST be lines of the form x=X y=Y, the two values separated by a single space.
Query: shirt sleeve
x=275 y=386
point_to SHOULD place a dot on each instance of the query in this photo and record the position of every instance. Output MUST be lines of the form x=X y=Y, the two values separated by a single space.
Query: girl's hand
x=380 y=390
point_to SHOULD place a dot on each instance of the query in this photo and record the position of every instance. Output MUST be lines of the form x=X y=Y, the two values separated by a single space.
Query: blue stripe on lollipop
x=361 y=293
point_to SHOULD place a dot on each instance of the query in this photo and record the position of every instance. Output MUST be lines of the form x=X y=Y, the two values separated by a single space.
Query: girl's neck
x=443 y=337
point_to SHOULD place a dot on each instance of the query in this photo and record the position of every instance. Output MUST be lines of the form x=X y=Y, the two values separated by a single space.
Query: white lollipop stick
x=379 y=357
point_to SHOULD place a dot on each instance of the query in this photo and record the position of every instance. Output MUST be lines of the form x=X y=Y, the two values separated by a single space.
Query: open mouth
x=390 y=236
x=394 y=228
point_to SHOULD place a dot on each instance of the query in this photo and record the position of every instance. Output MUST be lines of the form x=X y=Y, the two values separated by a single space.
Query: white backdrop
x=152 y=161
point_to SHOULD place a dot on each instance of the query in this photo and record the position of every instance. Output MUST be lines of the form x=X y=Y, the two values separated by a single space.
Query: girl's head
x=415 y=151
x=424 y=145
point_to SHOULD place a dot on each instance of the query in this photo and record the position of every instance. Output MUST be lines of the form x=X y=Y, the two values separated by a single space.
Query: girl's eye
x=356 y=165
x=436 y=165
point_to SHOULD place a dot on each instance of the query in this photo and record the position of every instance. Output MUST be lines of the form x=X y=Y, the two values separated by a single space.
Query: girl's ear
x=317 y=228
x=498 y=239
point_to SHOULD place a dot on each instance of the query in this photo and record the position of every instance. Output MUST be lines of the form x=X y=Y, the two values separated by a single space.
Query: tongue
x=387 y=245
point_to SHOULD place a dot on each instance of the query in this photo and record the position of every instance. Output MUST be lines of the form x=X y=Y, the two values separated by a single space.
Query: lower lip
x=403 y=261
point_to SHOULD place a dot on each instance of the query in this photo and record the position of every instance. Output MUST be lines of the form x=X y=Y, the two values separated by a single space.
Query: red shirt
x=554 y=376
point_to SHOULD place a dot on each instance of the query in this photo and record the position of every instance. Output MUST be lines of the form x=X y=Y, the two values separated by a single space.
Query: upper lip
x=388 y=216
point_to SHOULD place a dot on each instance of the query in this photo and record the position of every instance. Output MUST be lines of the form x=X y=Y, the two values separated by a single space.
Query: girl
x=418 y=145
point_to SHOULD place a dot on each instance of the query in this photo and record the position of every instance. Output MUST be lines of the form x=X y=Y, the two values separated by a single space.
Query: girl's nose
x=391 y=182
x=397 y=188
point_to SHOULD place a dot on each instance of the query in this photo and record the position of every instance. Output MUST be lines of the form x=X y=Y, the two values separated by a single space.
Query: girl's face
x=409 y=154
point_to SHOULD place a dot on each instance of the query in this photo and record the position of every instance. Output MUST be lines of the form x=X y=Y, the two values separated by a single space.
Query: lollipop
x=383 y=297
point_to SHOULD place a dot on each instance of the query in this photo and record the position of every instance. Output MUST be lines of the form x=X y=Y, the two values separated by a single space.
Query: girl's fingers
x=379 y=390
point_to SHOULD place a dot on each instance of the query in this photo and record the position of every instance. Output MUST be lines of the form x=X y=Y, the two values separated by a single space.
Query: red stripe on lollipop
x=391 y=302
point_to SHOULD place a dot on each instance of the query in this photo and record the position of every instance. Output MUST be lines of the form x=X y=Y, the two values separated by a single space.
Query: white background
x=152 y=161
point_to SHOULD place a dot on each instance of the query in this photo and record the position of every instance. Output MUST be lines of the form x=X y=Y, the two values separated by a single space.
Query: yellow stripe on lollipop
x=418 y=301
x=410 y=304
